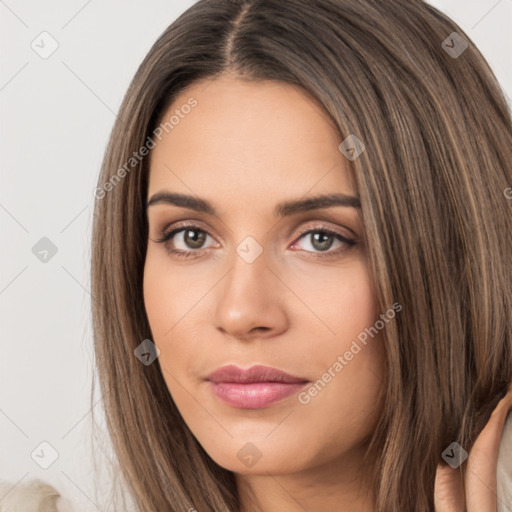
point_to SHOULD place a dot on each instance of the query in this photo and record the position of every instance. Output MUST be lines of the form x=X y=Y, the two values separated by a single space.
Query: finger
x=481 y=483
x=448 y=490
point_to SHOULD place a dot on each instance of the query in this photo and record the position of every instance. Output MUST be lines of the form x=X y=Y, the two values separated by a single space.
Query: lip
x=255 y=387
x=256 y=373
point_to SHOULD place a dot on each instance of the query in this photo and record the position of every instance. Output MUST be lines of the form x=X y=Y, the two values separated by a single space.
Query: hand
x=479 y=491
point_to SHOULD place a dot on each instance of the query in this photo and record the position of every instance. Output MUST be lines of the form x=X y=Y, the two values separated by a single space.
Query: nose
x=251 y=301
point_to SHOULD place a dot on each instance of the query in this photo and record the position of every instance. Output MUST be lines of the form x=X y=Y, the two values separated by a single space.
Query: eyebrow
x=282 y=209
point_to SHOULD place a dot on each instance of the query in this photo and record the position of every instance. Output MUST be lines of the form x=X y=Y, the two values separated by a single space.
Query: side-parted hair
x=434 y=183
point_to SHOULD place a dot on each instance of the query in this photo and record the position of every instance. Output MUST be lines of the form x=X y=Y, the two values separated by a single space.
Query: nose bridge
x=247 y=280
x=249 y=297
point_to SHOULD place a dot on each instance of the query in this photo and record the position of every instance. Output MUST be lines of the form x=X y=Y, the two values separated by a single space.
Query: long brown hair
x=432 y=179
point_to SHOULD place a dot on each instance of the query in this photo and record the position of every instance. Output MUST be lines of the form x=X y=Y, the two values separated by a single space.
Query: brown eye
x=184 y=241
x=193 y=238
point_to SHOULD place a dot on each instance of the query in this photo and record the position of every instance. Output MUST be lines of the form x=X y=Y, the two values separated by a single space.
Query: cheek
x=341 y=299
x=352 y=307
x=170 y=294
x=349 y=351
x=333 y=305
x=173 y=297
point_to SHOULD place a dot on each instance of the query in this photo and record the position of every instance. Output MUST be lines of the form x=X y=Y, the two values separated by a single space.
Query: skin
x=477 y=492
x=244 y=148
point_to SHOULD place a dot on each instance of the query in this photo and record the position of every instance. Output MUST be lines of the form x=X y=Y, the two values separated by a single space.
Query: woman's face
x=255 y=274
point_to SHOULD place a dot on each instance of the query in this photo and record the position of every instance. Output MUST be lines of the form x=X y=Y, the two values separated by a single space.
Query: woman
x=319 y=188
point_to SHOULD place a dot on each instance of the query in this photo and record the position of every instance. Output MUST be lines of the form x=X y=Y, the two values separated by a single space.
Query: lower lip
x=255 y=395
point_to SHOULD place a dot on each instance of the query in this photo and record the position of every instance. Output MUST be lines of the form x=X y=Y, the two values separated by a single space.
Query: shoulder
x=33 y=496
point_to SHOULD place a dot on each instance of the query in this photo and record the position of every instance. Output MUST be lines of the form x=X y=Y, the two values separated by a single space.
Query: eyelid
x=322 y=226
x=189 y=223
x=318 y=225
x=181 y=226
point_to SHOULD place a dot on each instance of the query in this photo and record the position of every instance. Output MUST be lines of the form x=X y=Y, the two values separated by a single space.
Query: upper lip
x=257 y=373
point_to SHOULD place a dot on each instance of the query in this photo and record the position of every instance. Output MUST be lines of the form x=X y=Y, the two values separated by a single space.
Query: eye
x=321 y=239
x=188 y=241
x=184 y=241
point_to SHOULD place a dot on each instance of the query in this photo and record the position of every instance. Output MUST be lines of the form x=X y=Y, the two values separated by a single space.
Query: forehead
x=245 y=140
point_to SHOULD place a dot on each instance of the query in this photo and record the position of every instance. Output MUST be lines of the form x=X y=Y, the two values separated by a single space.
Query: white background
x=56 y=116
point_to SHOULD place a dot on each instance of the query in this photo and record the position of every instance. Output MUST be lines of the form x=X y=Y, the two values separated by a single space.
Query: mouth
x=253 y=388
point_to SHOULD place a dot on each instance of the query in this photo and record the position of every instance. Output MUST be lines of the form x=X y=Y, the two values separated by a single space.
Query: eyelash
x=166 y=237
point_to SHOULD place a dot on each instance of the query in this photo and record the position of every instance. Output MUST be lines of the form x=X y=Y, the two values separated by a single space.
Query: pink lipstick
x=254 y=388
